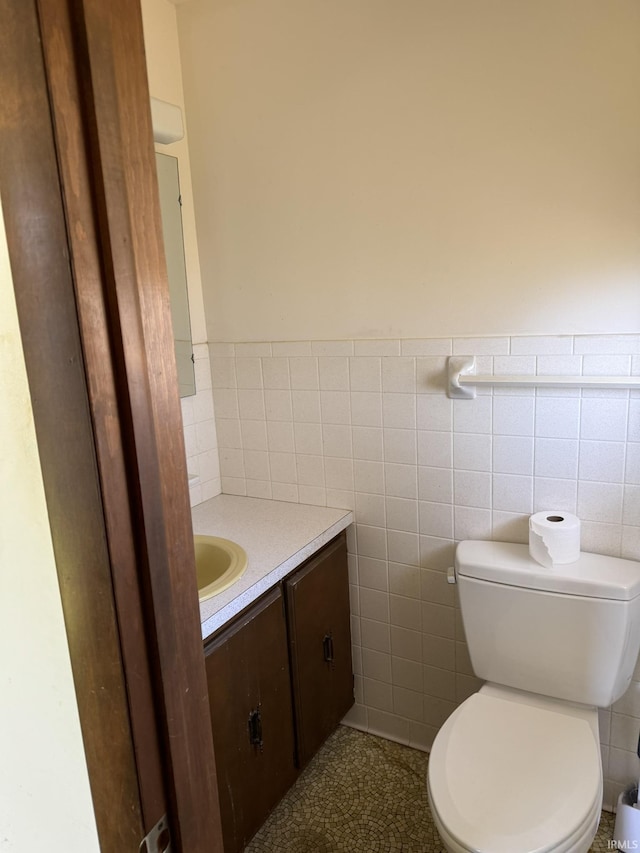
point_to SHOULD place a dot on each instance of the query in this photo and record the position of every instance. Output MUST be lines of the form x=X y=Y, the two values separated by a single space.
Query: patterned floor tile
x=363 y=794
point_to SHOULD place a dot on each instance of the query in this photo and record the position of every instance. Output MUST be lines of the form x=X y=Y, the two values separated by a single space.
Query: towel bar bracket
x=458 y=366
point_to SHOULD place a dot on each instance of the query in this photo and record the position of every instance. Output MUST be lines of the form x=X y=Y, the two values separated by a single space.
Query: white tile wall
x=200 y=434
x=367 y=425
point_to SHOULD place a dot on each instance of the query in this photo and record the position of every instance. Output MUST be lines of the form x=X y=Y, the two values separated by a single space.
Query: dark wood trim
x=38 y=249
x=78 y=184
x=117 y=99
x=66 y=90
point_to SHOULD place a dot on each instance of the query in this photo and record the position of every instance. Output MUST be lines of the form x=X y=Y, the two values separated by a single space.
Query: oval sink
x=219 y=563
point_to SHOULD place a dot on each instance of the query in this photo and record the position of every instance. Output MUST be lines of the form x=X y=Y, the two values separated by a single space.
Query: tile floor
x=362 y=794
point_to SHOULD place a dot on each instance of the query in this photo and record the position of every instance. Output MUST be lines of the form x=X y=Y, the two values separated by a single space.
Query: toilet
x=516 y=768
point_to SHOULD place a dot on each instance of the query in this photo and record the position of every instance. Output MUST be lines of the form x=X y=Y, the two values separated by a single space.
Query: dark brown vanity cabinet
x=250 y=699
x=318 y=618
x=280 y=680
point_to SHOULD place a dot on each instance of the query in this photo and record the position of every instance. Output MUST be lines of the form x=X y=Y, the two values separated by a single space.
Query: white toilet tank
x=571 y=632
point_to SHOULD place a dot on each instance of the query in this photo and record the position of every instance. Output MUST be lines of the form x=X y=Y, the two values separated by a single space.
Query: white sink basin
x=219 y=563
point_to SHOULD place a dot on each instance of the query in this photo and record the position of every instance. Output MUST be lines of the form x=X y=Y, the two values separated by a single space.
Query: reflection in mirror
x=171 y=209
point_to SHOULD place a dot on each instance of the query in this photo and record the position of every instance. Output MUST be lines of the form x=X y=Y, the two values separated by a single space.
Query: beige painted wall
x=165 y=82
x=414 y=168
x=45 y=803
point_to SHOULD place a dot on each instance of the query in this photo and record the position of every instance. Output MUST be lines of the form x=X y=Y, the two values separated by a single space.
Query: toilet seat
x=511 y=772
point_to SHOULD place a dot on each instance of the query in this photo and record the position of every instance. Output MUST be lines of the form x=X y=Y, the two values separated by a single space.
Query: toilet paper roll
x=554 y=538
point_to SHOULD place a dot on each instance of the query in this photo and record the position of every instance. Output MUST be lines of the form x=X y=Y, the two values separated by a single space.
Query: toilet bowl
x=512 y=772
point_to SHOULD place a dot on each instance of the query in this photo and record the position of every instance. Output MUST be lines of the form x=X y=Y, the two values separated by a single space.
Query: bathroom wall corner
x=200 y=437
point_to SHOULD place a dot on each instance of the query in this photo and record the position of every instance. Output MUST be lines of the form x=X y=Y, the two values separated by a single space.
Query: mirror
x=171 y=210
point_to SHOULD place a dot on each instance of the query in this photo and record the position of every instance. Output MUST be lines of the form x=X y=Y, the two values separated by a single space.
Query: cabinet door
x=251 y=716
x=320 y=646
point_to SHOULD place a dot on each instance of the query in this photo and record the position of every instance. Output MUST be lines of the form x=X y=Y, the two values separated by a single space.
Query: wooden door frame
x=79 y=193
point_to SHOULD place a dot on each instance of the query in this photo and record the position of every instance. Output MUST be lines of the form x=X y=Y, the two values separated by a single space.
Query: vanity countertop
x=277 y=537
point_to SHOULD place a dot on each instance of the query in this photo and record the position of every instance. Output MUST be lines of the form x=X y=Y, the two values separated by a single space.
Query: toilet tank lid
x=592 y=575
